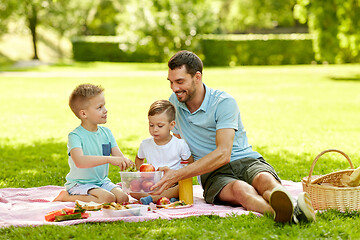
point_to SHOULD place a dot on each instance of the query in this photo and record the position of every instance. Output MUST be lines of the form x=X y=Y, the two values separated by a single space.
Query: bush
x=216 y=50
x=110 y=49
x=257 y=49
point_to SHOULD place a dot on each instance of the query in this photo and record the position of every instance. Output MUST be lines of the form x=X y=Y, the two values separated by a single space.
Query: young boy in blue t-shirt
x=91 y=148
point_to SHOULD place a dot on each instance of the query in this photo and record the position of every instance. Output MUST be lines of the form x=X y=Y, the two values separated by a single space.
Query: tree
x=69 y=18
x=252 y=15
x=64 y=16
x=31 y=10
x=6 y=8
x=335 y=25
x=165 y=25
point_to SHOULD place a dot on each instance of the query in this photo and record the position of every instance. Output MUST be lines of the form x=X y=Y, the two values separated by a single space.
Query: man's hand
x=169 y=179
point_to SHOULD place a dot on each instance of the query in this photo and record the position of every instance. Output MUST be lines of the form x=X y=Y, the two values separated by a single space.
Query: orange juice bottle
x=186 y=188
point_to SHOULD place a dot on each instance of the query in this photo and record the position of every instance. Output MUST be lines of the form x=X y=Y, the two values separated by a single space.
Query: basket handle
x=322 y=153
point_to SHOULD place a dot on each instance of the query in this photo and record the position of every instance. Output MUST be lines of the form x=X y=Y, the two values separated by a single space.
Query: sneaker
x=304 y=211
x=146 y=200
x=281 y=202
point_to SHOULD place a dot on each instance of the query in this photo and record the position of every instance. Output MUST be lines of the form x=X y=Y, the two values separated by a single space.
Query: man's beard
x=189 y=94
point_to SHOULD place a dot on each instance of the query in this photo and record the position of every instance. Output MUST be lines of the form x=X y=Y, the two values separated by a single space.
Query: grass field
x=291 y=113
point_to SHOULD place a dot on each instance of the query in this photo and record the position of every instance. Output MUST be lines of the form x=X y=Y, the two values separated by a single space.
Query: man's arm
x=217 y=158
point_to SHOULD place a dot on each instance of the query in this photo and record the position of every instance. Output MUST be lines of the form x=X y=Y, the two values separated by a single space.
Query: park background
x=293 y=67
x=151 y=31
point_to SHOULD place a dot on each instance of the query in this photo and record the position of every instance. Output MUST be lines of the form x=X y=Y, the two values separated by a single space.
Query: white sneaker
x=304 y=211
x=282 y=203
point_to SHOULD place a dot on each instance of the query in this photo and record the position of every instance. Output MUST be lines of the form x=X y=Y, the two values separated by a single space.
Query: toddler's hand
x=122 y=162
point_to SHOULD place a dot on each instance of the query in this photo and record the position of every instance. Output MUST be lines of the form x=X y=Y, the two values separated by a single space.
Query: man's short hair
x=161 y=106
x=80 y=96
x=191 y=61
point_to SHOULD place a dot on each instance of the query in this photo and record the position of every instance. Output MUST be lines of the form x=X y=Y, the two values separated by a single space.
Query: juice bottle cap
x=184 y=162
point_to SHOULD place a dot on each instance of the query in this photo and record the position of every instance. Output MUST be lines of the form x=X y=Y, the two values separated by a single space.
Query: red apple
x=135 y=185
x=146 y=185
x=147 y=168
x=163 y=201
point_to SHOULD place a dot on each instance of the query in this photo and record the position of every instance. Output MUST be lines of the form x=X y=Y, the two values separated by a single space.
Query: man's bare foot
x=63 y=195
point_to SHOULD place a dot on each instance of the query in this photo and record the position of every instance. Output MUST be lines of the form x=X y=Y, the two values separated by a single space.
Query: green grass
x=291 y=113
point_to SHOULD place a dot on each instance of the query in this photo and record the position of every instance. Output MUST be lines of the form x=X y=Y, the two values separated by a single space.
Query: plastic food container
x=139 y=182
x=135 y=210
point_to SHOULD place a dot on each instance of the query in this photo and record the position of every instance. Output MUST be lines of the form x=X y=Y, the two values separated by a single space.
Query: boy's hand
x=122 y=162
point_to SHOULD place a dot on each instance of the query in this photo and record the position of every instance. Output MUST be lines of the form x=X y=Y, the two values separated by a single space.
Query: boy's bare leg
x=120 y=195
x=172 y=192
x=98 y=195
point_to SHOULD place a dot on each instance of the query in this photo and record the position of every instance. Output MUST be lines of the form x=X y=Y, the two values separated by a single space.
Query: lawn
x=291 y=113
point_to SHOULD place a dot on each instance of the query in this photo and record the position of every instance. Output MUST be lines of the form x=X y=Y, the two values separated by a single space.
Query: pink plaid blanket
x=28 y=206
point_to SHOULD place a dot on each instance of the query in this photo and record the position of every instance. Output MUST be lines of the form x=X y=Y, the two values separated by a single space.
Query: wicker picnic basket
x=327 y=191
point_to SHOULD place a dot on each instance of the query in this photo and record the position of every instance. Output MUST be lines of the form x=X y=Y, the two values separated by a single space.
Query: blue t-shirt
x=97 y=143
x=219 y=110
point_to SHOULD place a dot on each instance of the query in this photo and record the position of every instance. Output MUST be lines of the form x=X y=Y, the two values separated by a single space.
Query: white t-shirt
x=169 y=154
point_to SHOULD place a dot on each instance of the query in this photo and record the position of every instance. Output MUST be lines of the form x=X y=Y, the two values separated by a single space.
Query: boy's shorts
x=83 y=189
x=244 y=169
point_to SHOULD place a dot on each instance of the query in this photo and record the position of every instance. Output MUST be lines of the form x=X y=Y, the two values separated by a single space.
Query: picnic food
x=163 y=201
x=93 y=206
x=147 y=168
x=176 y=204
x=111 y=210
x=146 y=185
x=88 y=206
x=353 y=180
x=135 y=185
x=65 y=214
x=116 y=206
x=139 y=182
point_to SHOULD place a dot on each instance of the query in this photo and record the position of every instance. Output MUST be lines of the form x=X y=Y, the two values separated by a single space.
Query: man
x=231 y=172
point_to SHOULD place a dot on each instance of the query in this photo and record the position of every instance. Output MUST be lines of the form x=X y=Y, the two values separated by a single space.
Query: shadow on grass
x=355 y=78
x=46 y=163
x=41 y=163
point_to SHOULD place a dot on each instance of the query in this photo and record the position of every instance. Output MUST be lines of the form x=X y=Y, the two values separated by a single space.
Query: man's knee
x=264 y=181
x=239 y=191
x=264 y=178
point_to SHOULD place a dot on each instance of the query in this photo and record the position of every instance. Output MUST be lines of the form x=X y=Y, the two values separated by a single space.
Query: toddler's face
x=159 y=126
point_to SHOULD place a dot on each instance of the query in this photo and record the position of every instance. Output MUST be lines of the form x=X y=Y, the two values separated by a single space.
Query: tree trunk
x=33 y=21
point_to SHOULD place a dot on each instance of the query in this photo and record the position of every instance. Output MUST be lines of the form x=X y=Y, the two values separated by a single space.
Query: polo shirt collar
x=204 y=105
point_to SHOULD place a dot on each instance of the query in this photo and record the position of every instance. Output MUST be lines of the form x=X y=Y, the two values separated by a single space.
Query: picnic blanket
x=28 y=206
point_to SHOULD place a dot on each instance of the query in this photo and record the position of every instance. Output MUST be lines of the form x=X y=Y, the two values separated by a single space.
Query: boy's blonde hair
x=161 y=106
x=80 y=96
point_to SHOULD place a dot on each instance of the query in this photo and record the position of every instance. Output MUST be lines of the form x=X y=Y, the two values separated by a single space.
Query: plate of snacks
x=113 y=209
x=123 y=210
x=165 y=203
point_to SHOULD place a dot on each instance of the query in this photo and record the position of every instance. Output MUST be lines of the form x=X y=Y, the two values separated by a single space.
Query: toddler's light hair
x=80 y=96
x=161 y=106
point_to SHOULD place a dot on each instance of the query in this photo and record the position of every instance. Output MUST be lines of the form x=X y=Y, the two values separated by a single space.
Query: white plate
x=135 y=210
x=175 y=207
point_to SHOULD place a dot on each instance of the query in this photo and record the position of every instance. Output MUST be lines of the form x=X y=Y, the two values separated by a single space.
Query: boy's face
x=160 y=127
x=95 y=112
